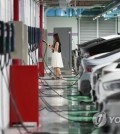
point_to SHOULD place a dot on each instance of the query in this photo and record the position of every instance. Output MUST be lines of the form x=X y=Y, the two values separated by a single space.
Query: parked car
x=88 y=64
x=112 y=110
x=107 y=85
x=83 y=53
x=100 y=71
x=108 y=99
x=96 y=41
x=88 y=43
x=85 y=76
x=95 y=75
x=104 y=44
x=111 y=115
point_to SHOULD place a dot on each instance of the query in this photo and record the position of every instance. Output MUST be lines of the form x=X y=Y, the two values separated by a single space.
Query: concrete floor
x=54 y=115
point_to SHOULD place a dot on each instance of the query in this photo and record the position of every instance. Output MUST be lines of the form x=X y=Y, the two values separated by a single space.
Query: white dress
x=57 y=60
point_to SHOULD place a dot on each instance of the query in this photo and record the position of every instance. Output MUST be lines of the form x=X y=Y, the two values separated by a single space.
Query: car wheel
x=85 y=87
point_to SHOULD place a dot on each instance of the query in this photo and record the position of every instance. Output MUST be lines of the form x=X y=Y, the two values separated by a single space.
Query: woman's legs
x=55 y=71
x=58 y=72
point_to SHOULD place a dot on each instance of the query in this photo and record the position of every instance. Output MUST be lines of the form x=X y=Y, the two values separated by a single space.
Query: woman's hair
x=56 y=37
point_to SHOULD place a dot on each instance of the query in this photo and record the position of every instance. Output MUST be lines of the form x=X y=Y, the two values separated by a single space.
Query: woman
x=56 y=62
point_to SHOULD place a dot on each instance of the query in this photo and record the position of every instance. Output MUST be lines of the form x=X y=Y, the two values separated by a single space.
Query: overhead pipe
x=109 y=7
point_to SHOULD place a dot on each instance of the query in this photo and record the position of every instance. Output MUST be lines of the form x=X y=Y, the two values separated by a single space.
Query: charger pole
x=16 y=18
x=16 y=10
x=41 y=63
x=41 y=27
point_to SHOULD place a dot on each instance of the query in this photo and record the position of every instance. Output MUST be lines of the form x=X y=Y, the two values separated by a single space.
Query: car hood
x=111 y=67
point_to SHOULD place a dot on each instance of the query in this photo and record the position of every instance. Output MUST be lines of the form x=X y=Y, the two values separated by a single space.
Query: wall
x=6 y=10
x=88 y=29
x=107 y=27
x=91 y=29
x=29 y=14
x=6 y=14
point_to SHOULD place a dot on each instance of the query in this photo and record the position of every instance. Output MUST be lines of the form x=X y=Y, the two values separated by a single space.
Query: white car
x=108 y=98
x=102 y=41
x=100 y=45
x=95 y=75
x=88 y=64
x=100 y=71
x=107 y=85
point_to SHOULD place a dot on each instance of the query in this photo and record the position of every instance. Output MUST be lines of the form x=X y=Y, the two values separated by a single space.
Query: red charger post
x=24 y=95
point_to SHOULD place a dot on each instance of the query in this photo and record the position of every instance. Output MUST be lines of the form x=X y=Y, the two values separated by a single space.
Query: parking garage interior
x=84 y=97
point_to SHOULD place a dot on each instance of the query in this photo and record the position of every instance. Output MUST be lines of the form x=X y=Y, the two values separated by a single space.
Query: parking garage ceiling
x=109 y=8
x=78 y=3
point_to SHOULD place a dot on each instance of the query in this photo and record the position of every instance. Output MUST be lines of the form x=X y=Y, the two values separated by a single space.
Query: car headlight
x=112 y=85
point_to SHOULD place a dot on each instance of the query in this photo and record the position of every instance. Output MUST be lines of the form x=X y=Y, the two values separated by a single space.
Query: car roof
x=99 y=43
x=98 y=40
x=102 y=47
x=110 y=36
x=111 y=67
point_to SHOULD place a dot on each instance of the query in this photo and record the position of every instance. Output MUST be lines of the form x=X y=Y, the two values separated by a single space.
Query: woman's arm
x=56 y=47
